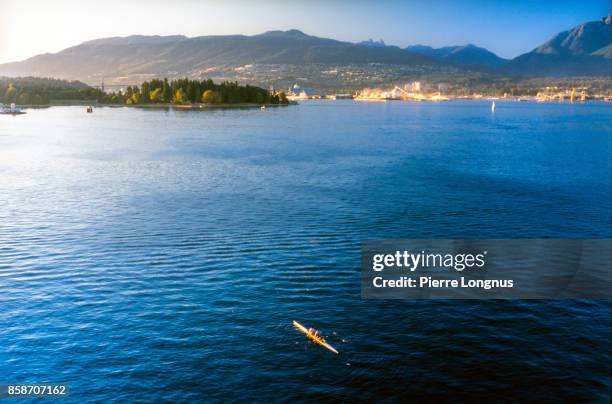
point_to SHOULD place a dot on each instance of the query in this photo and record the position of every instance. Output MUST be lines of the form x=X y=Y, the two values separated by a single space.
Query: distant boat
x=493 y=107
x=89 y=109
x=12 y=110
x=263 y=107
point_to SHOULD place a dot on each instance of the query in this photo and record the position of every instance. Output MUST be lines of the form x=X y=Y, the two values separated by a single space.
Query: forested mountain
x=466 y=55
x=280 y=57
x=582 y=51
x=182 y=56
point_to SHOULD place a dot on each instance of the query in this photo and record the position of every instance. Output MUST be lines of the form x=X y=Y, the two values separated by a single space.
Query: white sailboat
x=493 y=107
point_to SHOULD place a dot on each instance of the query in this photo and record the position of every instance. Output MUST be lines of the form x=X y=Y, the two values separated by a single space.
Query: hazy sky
x=509 y=28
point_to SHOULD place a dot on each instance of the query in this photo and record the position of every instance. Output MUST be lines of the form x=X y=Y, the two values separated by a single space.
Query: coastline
x=185 y=107
x=200 y=106
x=204 y=107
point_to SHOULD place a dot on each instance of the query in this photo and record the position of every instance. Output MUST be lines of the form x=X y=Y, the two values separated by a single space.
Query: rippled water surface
x=160 y=255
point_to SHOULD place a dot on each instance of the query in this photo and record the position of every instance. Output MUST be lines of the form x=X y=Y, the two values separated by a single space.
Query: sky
x=508 y=28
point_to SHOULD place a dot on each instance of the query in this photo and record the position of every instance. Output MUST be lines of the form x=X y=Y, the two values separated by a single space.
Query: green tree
x=179 y=97
x=23 y=99
x=11 y=94
x=145 y=92
x=210 y=97
x=167 y=91
x=157 y=95
x=135 y=98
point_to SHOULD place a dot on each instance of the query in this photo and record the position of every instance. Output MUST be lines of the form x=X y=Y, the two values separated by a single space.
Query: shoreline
x=200 y=106
x=194 y=107
x=204 y=107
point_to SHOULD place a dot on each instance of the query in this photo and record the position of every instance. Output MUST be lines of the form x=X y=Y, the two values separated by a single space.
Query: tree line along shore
x=156 y=92
x=195 y=94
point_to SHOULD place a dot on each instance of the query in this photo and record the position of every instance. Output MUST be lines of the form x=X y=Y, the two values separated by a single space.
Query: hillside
x=582 y=50
x=466 y=55
x=280 y=58
x=173 y=56
x=40 y=91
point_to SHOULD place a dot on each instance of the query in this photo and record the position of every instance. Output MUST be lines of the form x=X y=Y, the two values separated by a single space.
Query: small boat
x=314 y=336
x=263 y=108
x=493 y=107
x=89 y=109
x=12 y=110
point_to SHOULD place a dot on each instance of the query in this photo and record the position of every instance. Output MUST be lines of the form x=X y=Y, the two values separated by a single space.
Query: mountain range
x=585 y=50
x=370 y=42
x=466 y=55
x=180 y=55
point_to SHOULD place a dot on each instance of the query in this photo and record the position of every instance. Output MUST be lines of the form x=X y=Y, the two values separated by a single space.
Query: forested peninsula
x=180 y=92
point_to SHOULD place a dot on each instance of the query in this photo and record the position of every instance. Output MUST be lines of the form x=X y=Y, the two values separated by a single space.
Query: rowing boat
x=314 y=338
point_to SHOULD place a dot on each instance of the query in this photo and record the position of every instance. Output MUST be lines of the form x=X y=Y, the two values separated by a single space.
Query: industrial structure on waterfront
x=416 y=91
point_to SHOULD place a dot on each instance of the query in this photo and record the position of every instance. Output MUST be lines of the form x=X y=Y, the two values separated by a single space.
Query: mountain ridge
x=465 y=55
x=163 y=55
x=584 y=50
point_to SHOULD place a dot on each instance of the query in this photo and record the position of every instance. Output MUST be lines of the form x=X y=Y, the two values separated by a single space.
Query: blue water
x=151 y=255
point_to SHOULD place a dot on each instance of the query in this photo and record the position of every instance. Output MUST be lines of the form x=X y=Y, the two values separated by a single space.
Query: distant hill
x=179 y=55
x=466 y=55
x=40 y=91
x=283 y=57
x=583 y=50
x=370 y=42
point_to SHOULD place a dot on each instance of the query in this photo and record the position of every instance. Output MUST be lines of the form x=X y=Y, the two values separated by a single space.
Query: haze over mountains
x=585 y=50
x=199 y=56
x=467 y=55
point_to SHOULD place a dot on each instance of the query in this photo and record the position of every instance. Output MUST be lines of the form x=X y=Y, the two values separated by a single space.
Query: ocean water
x=157 y=256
